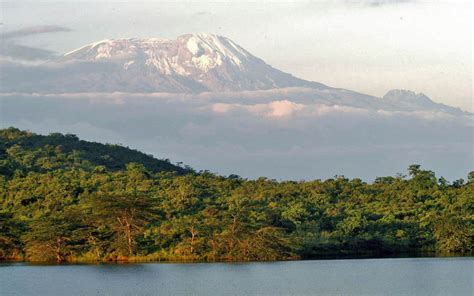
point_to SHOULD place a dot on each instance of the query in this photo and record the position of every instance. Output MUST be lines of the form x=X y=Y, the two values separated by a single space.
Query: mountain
x=189 y=64
x=410 y=101
x=25 y=151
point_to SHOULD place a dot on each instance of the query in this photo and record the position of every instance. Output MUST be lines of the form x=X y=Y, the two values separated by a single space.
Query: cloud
x=32 y=31
x=224 y=108
x=10 y=50
x=275 y=109
x=283 y=108
x=279 y=109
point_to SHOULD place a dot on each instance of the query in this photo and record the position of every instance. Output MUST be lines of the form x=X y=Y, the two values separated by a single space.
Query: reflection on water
x=415 y=276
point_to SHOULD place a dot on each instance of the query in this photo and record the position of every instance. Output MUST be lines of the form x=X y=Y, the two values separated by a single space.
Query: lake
x=401 y=276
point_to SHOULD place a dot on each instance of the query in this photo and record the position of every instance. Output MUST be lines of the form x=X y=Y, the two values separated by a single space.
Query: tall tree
x=126 y=215
x=10 y=231
x=53 y=237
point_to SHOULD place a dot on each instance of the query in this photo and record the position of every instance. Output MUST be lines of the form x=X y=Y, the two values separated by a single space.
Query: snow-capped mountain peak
x=191 y=62
x=186 y=55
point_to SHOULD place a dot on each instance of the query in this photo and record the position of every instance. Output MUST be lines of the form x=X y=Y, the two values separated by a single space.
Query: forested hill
x=62 y=199
x=31 y=152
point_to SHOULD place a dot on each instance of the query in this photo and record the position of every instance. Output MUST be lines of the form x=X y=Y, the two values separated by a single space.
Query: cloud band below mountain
x=276 y=137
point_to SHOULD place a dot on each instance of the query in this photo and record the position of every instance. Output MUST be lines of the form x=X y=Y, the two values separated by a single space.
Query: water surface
x=403 y=276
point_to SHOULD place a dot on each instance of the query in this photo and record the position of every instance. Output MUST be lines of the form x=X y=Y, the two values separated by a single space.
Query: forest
x=63 y=199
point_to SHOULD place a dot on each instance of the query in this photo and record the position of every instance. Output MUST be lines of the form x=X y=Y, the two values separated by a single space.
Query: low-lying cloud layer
x=264 y=133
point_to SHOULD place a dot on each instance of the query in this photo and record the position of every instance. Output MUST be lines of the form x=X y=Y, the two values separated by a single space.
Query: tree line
x=63 y=199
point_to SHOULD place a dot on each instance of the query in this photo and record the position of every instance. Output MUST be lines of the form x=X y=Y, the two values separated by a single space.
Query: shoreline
x=141 y=260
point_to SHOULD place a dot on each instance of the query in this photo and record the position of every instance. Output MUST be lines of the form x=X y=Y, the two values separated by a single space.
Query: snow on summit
x=182 y=56
x=189 y=63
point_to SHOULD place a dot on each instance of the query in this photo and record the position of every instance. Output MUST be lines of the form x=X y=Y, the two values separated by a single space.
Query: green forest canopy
x=63 y=199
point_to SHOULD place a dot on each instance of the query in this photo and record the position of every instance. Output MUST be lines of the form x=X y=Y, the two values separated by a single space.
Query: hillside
x=60 y=201
x=26 y=151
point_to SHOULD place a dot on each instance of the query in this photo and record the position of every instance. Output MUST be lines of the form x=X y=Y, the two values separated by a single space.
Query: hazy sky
x=368 y=46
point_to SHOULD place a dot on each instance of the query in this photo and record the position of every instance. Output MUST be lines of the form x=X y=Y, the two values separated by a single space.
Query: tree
x=126 y=215
x=452 y=235
x=53 y=237
x=470 y=177
x=10 y=230
x=422 y=179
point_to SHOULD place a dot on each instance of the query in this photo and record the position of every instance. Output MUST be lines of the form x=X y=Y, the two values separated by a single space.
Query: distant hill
x=31 y=152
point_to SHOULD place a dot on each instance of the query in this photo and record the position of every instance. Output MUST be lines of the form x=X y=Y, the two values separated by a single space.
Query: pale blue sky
x=369 y=46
